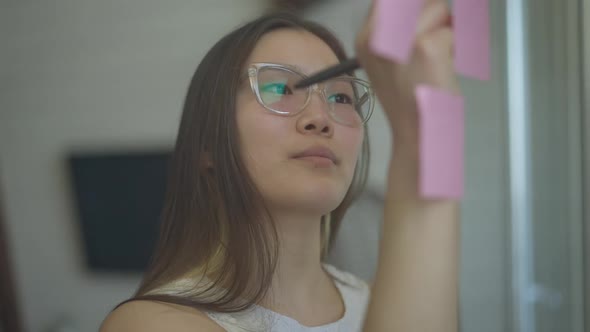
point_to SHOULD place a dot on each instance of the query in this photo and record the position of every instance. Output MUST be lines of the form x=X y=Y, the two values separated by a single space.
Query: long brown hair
x=214 y=222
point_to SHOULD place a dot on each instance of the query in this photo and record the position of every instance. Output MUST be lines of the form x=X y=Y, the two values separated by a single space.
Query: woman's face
x=272 y=144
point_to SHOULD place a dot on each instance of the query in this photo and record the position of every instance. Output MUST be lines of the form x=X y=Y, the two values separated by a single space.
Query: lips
x=317 y=152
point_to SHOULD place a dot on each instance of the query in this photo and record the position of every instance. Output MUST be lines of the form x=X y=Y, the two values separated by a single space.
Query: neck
x=299 y=268
x=299 y=278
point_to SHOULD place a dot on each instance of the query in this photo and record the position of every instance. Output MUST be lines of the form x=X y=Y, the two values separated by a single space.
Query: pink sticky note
x=394 y=28
x=441 y=143
x=471 y=24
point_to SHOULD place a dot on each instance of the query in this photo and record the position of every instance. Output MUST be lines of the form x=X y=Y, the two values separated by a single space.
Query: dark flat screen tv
x=118 y=200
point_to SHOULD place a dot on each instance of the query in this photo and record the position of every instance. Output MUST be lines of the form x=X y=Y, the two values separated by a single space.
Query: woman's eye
x=340 y=98
x=277 y=88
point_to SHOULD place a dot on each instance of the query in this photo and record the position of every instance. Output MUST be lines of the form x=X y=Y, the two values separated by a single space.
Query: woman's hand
x=431 y=63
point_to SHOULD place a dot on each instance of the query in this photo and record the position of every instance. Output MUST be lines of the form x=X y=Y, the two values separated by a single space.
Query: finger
x=363 y=36
x=445 y=38
x=436 y=13
x=371 y=9
x=438 y=43
x=436 y=50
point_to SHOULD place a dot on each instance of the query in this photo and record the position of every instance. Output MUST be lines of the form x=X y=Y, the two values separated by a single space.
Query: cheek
x=260 y=136
x=352 y=141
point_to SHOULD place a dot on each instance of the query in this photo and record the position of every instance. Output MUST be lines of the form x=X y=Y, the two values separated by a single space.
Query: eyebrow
x=297 y=68
x=302 y=72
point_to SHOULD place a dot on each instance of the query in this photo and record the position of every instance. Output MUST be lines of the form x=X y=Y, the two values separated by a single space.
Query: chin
x=317 y=198
x=318 y=194
x=309 y=203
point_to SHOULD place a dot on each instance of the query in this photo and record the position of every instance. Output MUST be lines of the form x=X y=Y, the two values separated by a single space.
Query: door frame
x=10 y=318
x=585 y=32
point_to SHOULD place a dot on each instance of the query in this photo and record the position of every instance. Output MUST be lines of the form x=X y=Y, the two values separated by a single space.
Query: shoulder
x=355 y=293
x=347 y=279
x=151 y=316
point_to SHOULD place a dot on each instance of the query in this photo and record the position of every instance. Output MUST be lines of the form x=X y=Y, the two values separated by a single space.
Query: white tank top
x=354 y=292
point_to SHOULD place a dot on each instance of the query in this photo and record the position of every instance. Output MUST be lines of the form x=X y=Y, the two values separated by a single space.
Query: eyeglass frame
x=254 y=68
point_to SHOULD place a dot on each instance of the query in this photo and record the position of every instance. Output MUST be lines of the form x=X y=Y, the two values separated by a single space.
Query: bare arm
x=416 y=285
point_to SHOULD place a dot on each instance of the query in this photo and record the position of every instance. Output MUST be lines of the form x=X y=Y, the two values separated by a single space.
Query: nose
x=315 y=119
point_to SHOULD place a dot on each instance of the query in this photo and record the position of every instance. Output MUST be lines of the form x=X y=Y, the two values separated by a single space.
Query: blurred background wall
x=101 y=75
x=586 y=124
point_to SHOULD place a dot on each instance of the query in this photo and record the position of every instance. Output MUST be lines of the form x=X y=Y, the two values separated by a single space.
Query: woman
x=262 y=175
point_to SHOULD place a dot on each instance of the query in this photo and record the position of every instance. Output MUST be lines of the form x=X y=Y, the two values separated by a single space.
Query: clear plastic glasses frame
x=364 y=100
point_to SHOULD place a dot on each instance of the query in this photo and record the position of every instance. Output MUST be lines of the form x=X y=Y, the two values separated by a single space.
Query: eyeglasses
x=350 y=100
